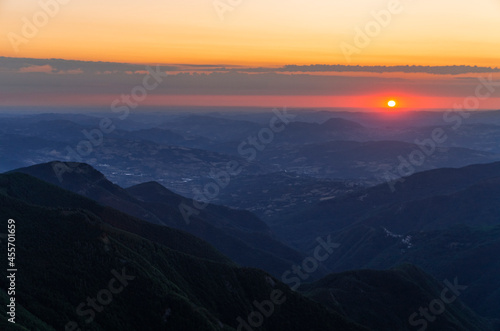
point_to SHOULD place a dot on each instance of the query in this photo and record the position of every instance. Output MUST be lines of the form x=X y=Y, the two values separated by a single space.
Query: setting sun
x=392 y=103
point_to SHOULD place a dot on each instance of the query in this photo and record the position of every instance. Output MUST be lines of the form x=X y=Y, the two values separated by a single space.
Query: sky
x=239 y=52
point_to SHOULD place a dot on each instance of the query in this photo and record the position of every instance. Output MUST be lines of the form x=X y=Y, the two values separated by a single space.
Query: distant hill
x=341 y=124
x=370 y=160
x=332 y=129
x=238 y=234
x=214 y=128
x=368 y=204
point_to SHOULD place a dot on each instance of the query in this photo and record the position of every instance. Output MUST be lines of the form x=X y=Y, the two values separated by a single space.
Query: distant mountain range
x=179 y=151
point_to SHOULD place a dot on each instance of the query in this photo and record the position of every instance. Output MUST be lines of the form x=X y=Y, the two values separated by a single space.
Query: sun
x=391 y=103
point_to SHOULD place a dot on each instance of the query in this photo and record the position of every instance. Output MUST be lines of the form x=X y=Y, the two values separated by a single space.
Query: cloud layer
x=22 y=79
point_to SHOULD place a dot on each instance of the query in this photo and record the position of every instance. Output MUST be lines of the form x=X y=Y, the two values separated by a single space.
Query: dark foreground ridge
x=86 y=265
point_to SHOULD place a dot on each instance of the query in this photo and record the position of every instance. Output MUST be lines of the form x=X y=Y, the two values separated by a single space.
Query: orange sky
x=257 y=32
x=253 y=33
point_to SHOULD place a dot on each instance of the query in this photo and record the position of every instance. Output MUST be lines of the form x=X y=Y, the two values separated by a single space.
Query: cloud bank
x=22 y=79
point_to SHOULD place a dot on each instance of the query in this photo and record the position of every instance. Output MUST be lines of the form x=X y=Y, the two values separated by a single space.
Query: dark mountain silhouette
x=69 y=254
x=238 y=234
x=72 y=247
x=444 y=221
x=469 y=253
x=367 y=295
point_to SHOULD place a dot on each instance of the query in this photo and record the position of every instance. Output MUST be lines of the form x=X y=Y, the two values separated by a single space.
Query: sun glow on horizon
x=392 y=103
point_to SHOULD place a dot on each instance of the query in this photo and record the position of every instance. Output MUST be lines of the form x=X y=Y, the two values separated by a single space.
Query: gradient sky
x=256 y=33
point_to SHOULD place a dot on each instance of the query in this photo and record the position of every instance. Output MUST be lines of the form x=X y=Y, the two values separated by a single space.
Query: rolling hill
x=238 y=234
